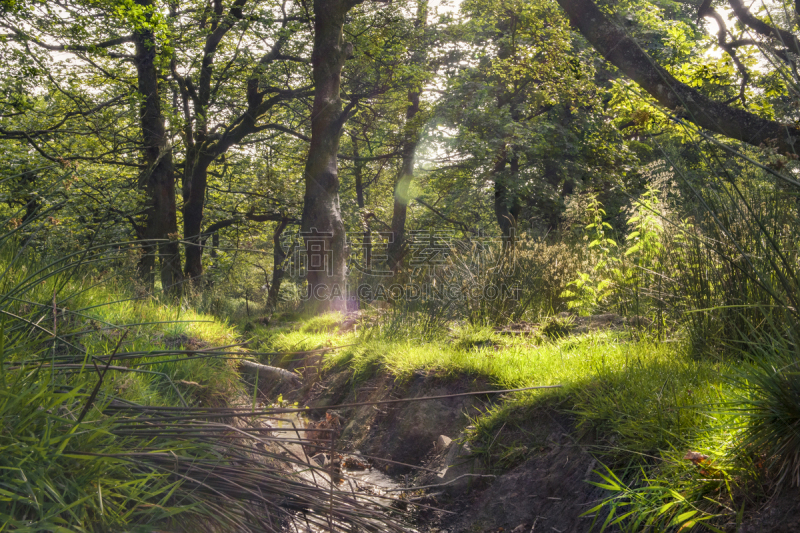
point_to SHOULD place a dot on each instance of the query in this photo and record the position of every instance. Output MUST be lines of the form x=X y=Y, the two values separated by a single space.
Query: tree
x=322 y=227
x=158 y=179
x=221 y=110
x=412 y=131
x=529 y=114
x=110 y=29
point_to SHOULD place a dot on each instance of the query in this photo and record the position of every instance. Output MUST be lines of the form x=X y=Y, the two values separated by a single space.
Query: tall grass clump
x=487 y=282
x=767 y=401
x=63 y=473
x=747 y=309
x=741 y=268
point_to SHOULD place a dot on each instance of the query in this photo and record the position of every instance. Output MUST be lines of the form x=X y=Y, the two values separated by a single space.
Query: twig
x=333 y=482
x=100 y=380
x=440 y=484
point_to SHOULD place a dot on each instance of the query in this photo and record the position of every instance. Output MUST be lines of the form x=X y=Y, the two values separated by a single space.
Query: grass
x=98 y=314
x=644 y=393
x=646 y=402
x=64 y=469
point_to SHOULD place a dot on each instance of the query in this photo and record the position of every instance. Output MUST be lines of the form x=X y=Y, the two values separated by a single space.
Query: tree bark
x=322 y=227
x=409 y=150
x=688 y=103
x=158 y=178
x=194 y=199
x=506 y=203
x=358 y=174
x=278 y=270
x=401 y=188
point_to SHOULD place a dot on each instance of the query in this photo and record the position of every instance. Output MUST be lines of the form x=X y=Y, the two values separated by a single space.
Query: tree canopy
x=193 y=125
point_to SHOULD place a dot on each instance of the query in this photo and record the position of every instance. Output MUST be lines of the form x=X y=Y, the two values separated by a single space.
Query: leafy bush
x=623 y=281
x=593 y=289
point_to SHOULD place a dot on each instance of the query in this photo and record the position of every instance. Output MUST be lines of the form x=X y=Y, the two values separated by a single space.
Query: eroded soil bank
x=458 y=466
x=423 y=447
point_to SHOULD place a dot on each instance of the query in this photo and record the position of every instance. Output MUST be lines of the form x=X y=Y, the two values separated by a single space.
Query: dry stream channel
x=352 y=472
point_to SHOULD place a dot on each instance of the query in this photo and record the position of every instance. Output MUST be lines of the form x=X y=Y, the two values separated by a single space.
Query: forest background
x=233 y=158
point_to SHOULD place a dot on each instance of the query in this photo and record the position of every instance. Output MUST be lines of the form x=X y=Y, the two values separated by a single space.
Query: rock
x=462 y=469
x=442 y=443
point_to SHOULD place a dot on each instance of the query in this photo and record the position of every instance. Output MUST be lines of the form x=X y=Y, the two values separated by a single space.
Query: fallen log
x=273 y=371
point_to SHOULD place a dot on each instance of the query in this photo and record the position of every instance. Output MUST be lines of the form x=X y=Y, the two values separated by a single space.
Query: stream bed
x=352 y=472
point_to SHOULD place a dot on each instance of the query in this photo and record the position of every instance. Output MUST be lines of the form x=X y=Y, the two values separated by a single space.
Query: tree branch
x=786 y=38
x=444 y=217
x=19 y=35
x=730 y=49
x=626 y=54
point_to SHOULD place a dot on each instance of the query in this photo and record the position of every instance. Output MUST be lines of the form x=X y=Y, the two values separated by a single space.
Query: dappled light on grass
x=511 y=362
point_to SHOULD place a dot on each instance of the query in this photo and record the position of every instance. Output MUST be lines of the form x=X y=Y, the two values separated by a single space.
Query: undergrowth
x=110 y=410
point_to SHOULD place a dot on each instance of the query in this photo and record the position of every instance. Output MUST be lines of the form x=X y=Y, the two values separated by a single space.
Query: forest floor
x=458 y=455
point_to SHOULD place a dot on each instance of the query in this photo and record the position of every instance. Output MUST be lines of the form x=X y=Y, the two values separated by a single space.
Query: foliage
x=592 y=290
x=518 y=123
x=651 y=506
x=81 y=366
x=556 y=327
x=765 y=399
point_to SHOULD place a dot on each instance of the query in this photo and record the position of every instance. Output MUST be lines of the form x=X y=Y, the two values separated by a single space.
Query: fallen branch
x=280 y=373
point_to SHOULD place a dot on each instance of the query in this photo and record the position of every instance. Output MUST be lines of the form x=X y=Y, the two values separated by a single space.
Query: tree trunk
x=194 y=198
x=506 y=203
x=322 y=227
x=158 y=178
x=401 y=198
x=203 y=148
x=278 y=272
x=358 y=174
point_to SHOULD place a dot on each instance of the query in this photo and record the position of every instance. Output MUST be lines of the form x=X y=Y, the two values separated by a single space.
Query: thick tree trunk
x=194 y=197
x=158 y=178
x=322 y=227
